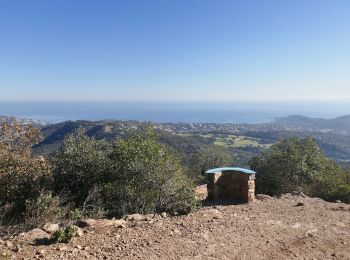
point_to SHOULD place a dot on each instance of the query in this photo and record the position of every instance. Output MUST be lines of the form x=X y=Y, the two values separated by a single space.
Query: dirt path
x=267 y=229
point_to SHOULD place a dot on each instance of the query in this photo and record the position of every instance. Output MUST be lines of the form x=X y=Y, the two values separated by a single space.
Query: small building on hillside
x=231 y=183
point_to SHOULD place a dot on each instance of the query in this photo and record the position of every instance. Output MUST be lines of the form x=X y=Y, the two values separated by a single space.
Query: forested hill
x=244 y=140
x=339 y=124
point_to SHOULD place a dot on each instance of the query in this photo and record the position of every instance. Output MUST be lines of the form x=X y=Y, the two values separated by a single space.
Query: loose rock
x=62 y=248
x=86 y=223
x=51 y=228
x=79 y=232
x=135 y=217
x=298 y=193
x=8 y=244
x=272 y=229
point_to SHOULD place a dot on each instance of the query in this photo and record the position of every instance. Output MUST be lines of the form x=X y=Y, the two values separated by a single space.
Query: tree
x=80 y=165
x=296 y=164
x=134 y=174
x=22 y=176
x=147 y=177
x=208 y=158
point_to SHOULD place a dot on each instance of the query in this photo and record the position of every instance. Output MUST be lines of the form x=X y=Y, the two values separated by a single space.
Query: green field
x=235 y=141
x=108 y=129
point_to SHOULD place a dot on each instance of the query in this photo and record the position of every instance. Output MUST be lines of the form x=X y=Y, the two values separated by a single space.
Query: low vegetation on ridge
x=139 y=172
x=296 y=164
x=88 y=178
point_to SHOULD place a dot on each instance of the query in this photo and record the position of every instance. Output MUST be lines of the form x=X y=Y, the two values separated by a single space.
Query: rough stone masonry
x=231 y=184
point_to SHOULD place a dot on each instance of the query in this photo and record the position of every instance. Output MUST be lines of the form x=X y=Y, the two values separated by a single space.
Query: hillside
x=290 y=227
x=244 y=140
x=37 y=123
x=339 y=125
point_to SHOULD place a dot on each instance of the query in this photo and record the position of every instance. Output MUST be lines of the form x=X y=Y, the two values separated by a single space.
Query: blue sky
x=179 y=50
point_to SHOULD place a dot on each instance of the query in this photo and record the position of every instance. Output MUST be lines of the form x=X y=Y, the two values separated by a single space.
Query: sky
x=174 y=50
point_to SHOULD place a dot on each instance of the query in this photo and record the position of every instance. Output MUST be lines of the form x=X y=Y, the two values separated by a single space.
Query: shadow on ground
x=226 y=202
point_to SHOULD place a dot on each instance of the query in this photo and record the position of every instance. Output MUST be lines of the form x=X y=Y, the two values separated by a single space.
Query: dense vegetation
x=296 y=164
x=113 y=169
x=245 y=141
x=133 y=174
x=22 y=178
x=88 y=177
x=208 y=158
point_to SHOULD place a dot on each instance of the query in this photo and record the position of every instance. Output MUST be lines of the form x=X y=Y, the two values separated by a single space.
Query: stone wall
x=231 y=185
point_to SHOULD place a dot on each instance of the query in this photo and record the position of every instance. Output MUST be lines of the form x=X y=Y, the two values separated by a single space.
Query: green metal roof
x=235 y=169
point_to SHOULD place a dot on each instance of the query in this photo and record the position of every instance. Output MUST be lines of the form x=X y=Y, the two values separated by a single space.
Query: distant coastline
x=161 y=112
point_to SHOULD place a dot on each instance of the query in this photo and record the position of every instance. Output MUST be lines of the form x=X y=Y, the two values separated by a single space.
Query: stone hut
x=231 y=183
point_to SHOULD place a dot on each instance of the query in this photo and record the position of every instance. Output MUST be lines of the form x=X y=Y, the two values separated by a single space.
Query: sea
x=250 y=112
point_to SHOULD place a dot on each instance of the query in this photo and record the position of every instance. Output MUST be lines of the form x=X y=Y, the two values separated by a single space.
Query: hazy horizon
x=174 y=61
x=205 y=112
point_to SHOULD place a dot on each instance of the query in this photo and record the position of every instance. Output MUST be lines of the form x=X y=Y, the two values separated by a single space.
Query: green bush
x=146 y=177
x=64 y=235
x=298 y=164
x=44 y=209
x=22 y=176
x=58 y=236
x=134 y=174
x=331 y=187
x=75 y=215
x=208 y=158
x=81 y=164
x=70 y=233
x=341 y=192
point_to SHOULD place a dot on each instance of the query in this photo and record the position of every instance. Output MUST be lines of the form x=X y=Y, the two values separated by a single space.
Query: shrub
x=146 y=177
x=93 y=206
x=297 y=164
x=75 y=215
x=45 y=208
x=64 y=235
x=135 y=174
x=58 y=236
x=22 y=176
x=6 y=213
x=341 y=192
x=70 y=232
x=80 y=165
x=331 y=187
x=208 y=158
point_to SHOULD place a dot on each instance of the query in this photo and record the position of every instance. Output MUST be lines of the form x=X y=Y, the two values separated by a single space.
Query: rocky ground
x=290 y=227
